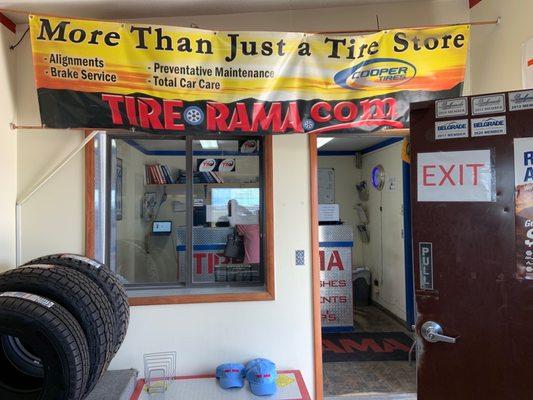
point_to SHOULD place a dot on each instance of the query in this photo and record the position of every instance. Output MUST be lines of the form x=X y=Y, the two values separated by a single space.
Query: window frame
x=267 y=244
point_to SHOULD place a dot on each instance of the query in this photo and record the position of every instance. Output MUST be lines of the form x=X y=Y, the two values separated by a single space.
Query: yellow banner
x=107 y=74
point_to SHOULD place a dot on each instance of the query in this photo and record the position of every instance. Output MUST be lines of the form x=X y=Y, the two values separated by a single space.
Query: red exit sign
x=455 y=176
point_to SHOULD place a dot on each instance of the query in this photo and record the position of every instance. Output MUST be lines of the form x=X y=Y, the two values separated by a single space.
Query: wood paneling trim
x=200 y=298
x=315 y=274
x=89 y=197
x=270 y=274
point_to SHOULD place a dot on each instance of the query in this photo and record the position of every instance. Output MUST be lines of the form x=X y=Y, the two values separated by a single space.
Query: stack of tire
x=63 y=317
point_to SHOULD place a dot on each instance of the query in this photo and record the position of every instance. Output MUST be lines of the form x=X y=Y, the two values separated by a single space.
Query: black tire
x=81 y=297
x=105 y=279
x=21 y=356
x=55 y=336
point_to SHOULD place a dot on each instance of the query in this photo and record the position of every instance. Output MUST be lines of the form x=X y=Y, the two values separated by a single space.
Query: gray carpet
x=115 y=385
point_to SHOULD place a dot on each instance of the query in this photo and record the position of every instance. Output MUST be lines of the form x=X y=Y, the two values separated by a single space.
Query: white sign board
x=521 y=100
x=489 y=104
x=451 y=107
x=489 y=126
x=451 y=129
x=527 y=64
x=523 y=171
x=328 y=212
x=455 y=176
x=523 y=161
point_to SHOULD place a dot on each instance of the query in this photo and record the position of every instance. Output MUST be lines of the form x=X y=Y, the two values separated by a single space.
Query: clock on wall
x=378 y=177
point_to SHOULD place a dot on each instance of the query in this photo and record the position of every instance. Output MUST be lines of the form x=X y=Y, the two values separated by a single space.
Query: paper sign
x=523 y=169
x=455 y=176
x=527 y=64
x=328 y=212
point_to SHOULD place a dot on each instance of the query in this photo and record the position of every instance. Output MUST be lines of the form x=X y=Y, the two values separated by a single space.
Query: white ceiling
x=179 y=145
x=345 y=143
x=130 y=9
x=352 y=143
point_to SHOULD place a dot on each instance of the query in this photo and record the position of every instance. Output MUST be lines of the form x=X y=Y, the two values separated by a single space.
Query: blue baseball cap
x=230 y=375
x=262 y=375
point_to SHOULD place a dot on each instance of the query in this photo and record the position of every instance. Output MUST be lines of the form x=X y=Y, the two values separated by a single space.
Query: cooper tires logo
x=375 y=74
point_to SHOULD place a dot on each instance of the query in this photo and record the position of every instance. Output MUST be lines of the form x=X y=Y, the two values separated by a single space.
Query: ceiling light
x=321 y=141
x=209 y=144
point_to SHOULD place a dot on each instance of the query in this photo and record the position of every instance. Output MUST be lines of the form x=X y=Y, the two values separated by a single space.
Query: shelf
x=225 y=184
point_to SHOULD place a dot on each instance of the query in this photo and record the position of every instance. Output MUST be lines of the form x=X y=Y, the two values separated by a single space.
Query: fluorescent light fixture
x=321 y=141
x=209 y=144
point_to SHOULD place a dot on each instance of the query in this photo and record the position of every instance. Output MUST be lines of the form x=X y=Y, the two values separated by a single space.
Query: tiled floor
x=370 y=377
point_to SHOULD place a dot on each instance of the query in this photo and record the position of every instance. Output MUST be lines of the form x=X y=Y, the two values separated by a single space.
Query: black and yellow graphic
x=96 y=74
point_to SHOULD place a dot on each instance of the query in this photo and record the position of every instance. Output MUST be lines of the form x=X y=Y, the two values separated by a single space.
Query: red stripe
x=473 y=2
x=362 y=122
x=8 y=23
x=530 y=62
x=297 y=374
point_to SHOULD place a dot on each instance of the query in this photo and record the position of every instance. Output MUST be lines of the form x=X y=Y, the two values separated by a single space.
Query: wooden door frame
x=315 y=255
x=315 y=267
x=89 y=197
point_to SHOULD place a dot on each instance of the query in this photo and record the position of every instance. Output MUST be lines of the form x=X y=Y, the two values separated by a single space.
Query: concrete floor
x=371 y=379
x=115 y=385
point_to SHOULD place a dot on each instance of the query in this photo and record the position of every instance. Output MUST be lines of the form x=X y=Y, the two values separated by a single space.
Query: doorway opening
x=364 y=302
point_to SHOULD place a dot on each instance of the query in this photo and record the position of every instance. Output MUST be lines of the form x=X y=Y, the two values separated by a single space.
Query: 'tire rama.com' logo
x=375 y=74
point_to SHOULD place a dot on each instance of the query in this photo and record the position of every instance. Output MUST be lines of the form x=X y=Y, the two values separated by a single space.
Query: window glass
x=149 y=194
x=154 y=213
x=227 y=212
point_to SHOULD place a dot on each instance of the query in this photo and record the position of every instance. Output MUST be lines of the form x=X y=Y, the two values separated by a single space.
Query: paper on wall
x=527 y=64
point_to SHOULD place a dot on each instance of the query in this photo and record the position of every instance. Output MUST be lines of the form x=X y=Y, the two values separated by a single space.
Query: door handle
x=432 y=332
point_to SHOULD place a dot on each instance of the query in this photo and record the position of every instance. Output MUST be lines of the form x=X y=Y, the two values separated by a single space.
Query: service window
x=184 y=216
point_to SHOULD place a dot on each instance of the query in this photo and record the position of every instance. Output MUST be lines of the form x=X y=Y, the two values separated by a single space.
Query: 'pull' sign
x=425 y=255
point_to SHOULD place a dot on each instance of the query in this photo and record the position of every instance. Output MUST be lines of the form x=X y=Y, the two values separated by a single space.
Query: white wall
x=8 y=149
x=53 y=219
x=497 y=49
x=386 y=230
x=346 y=177
x=282 y=329
x=205 y=335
